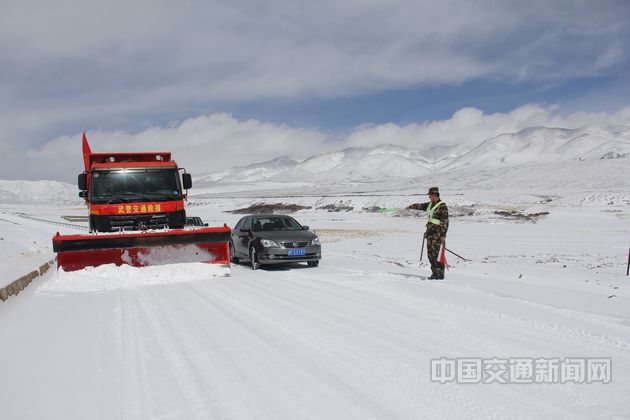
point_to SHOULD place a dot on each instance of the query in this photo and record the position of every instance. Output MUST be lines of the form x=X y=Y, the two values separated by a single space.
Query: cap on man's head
x=434 y=190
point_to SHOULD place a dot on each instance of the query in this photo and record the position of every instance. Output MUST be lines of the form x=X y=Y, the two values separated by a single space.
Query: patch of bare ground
x=520 y=216
x=264 y=208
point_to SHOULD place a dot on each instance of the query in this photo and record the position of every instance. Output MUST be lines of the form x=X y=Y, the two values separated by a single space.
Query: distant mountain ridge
x=387 y=161
x=36 y=192
x=542 y=144
x=351 y=164
x=582 y=157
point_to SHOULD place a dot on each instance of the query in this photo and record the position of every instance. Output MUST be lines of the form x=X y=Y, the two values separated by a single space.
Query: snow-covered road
x=350 y=339
x=331 y=342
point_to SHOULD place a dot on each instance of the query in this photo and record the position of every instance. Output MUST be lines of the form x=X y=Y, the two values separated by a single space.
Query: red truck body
x=137 y=215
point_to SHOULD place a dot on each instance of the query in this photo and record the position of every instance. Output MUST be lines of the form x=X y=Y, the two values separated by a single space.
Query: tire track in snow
x=301 y=364
x=577 y=394
x=134 y=390
x=404 y=381
x=156 y=365
x=572 y=336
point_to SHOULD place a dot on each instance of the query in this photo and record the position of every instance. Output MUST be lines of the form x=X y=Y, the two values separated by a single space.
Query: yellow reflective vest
x=431 y=209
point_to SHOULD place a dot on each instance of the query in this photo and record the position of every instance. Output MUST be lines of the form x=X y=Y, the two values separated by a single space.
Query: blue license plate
x=296 y=252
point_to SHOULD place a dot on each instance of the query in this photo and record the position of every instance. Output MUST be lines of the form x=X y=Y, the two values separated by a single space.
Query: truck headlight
x=315 y=241
x=268 y=242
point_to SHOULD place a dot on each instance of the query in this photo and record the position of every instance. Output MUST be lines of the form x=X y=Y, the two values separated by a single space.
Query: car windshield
x=275 y=223
x=135 y=186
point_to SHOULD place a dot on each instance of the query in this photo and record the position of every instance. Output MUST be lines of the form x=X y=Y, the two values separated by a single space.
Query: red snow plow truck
x=137 y=216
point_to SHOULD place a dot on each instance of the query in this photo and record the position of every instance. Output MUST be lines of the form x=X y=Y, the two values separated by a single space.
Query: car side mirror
x=305 y=227
x=82 y=181
x=187 y=181
x=83 y=194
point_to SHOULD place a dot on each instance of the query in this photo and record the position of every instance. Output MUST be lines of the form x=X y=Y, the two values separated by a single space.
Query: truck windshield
x=135 y=186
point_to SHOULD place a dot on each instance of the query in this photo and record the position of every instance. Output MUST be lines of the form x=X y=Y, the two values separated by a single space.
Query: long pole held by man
x=436 y=228
x=422 y=248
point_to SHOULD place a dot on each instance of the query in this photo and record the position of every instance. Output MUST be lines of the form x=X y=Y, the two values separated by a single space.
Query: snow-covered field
x=350 y=339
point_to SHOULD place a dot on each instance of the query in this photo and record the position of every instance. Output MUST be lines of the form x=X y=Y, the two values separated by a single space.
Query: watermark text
x=522 y=370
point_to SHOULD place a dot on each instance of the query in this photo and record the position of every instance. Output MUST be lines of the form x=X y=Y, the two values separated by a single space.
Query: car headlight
x=268 y=242
x=315 y=241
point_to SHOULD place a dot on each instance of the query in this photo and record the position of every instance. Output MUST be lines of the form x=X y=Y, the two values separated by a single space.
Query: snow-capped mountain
x=543 y=145
x=38 y=192
x=361 y=164
x=350 y=164
x=255 y=172
x=357 y=164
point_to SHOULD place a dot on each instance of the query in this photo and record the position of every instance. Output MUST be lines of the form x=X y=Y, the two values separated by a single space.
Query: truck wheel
x=253 y=257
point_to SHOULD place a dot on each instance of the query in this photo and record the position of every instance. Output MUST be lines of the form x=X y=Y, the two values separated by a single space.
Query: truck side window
x=248 y=223
x=240 y=224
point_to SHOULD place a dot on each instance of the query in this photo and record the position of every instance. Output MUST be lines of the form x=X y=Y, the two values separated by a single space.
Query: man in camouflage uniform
x=437 y=226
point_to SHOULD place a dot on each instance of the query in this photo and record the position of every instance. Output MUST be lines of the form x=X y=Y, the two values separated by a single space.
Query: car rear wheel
x=313 y=263
x=253 y=258
x=233 y=258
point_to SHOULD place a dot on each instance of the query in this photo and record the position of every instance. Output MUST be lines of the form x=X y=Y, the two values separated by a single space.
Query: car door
x=241 y=245
x=235 y=234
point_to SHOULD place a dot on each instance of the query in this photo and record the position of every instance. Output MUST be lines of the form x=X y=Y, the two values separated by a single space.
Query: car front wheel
x=253 y=257
x=233 y=257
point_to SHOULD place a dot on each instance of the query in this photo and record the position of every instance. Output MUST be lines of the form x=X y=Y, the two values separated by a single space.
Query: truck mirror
x=83 y=194
x=82 y=181
x=187 y=180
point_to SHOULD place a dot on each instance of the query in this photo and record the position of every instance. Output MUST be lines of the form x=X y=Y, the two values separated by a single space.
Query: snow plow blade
x=139 y=249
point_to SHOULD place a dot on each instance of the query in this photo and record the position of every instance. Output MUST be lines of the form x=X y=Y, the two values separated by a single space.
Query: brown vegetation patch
x=264 y=208
x=520 y=216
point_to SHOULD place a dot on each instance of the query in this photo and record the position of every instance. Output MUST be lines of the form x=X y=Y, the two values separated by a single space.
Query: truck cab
x=133 y=191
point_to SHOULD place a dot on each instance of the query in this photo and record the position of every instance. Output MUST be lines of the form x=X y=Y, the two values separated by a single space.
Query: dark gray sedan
x=273 y=239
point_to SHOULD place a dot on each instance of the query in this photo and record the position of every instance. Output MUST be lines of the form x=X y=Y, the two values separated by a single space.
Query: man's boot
x=439 y=271
x=433 y=275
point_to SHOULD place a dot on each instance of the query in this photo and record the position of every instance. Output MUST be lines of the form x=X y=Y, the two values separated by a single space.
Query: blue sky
x=405 y=106
x=308 y=70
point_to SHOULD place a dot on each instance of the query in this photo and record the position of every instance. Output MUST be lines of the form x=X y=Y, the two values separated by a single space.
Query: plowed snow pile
x=111 y=277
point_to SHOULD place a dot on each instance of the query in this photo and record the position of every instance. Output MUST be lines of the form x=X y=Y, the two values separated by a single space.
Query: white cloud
x=71 y=65
x=118 y=61
x=219 y=141
x=470 y=126
x=202 y=144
